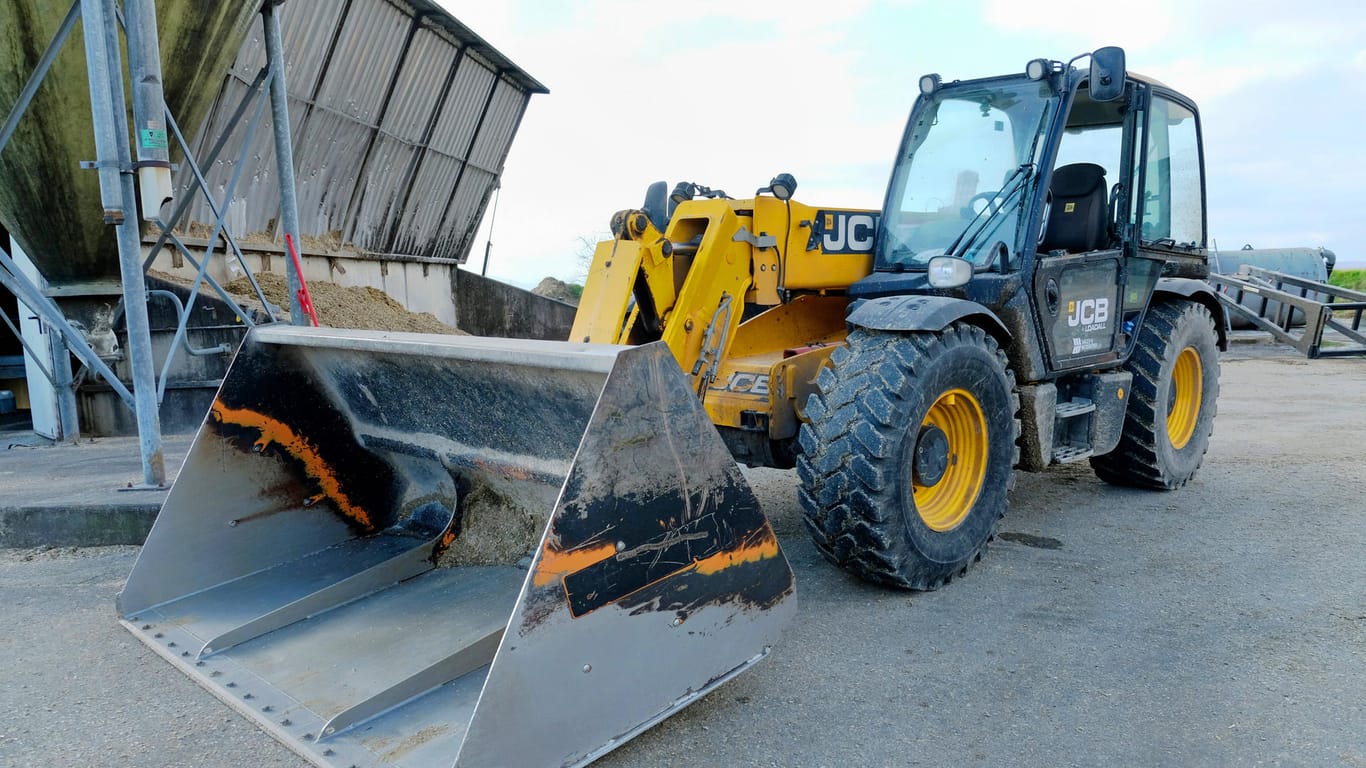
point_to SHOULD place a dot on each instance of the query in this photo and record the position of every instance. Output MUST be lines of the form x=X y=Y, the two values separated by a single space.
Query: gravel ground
x=1223 y=624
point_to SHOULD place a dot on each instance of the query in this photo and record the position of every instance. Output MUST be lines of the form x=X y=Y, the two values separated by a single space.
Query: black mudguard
x=1196 y=290
x=923 y=313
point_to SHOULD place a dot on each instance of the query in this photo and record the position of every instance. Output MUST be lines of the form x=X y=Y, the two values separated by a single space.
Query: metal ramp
x=1296 y=311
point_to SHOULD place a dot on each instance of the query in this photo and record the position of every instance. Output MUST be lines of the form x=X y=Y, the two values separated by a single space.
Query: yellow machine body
x=748 y=295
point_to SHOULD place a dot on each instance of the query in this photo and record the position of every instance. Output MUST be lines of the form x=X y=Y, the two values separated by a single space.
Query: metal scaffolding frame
x=1295 y=310
x=116 y=166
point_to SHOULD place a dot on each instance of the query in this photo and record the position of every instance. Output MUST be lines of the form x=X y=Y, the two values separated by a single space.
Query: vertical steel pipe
x=109 y=114
x=63 y=385
x=149 y=107
x=284 y=150
x=168 y=224
x=101 y=108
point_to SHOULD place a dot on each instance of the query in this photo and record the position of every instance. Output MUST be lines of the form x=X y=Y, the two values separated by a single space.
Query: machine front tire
x=1173 y=401
x=909 y=454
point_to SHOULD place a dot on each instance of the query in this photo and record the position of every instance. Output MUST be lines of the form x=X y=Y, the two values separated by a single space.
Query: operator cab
x=1081 y=182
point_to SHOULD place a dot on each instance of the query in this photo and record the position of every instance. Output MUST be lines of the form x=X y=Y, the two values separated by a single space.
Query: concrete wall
x=420 y=286
x=459 y=298
x=489 y=308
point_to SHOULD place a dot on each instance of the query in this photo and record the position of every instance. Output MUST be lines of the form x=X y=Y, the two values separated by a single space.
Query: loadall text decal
x=843 y=231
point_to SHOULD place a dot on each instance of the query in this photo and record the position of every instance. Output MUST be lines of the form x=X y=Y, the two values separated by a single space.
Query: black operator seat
x=1077 y=217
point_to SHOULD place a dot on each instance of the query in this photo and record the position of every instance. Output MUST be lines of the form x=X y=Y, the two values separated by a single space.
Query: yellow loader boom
x=747 y=294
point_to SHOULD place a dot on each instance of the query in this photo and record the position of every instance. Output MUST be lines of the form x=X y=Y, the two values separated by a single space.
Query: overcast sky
x=728 y=93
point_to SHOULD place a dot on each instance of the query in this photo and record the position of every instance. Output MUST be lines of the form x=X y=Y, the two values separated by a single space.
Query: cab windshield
x=966 y=164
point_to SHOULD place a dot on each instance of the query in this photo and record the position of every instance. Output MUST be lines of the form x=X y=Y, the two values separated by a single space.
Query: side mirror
x=1106 y=82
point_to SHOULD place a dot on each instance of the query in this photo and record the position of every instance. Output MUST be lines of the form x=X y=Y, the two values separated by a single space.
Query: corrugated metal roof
x=500 y=123
x=401 y=120
x=425 y=72
x=388 y=172
x=420 y=220
x=466 y=38
x=455 y=127
x=360 y=72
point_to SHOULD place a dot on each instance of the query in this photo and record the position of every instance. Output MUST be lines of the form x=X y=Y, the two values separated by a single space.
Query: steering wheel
x=989 y=200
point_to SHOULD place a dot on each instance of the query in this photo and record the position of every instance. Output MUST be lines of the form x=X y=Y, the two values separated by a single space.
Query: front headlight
x=949 y=272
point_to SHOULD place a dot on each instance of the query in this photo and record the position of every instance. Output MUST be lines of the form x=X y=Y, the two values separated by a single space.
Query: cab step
x=1072 y=430
x=1066 y=454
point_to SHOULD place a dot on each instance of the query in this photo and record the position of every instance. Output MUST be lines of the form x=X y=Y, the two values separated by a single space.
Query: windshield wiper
x=1168 y=242
x=1007 y=194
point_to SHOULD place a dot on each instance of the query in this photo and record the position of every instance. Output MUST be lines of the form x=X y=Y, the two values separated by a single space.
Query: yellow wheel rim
x=945 y=503
x=1183 y=405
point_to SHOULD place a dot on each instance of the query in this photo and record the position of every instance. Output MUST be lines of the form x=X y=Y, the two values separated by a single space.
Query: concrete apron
x=76 y=495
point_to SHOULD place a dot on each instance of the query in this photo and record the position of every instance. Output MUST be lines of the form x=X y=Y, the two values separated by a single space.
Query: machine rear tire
x=1173 y=400
x=909 y=453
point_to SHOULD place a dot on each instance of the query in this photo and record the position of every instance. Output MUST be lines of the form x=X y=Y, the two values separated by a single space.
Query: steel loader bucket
x=397 y=549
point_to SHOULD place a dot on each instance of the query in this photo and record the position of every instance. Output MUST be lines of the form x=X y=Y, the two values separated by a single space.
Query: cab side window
x=1087 y=177
x=1099 y=144
x=1174 y=187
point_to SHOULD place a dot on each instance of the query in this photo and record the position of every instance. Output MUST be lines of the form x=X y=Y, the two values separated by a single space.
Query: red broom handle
x=305 y=300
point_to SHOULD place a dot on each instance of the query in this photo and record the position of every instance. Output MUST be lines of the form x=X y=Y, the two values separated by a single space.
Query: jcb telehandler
x=408 y=550
x=1029 y=295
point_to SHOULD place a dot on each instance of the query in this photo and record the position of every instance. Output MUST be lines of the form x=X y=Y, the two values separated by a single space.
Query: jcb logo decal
x=843 y=232
x=1092 y=313
x=746 y=383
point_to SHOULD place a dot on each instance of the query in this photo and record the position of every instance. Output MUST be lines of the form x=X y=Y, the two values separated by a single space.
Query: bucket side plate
x=659 y=578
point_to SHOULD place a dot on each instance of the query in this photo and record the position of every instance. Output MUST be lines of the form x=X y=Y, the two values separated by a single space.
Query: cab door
x=1082 y=282
x=1170 y=212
